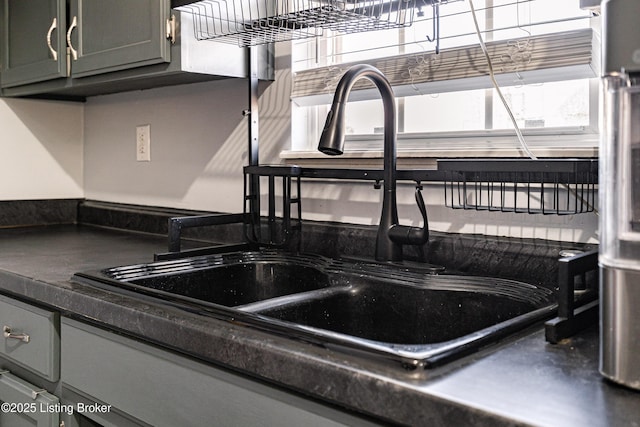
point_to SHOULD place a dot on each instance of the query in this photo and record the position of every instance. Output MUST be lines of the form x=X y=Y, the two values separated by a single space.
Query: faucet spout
x=390 y=236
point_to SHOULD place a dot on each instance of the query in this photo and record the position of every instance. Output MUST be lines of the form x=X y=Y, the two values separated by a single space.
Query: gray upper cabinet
x=117 y=34
x=78 y=48
x=41 y=42
x=33 y=41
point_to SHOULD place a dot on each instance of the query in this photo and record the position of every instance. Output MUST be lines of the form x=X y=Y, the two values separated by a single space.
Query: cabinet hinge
x=171 y=29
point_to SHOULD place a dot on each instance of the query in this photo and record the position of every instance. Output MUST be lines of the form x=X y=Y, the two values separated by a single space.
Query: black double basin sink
x=409 y=315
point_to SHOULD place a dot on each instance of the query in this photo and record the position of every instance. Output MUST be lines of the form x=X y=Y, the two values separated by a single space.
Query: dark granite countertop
x=521 y=381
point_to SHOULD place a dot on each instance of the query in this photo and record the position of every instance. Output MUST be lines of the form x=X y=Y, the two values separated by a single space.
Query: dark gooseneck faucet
x=391 y=236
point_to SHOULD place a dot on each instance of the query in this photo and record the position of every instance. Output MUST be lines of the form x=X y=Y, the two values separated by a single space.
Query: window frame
x=570 y=141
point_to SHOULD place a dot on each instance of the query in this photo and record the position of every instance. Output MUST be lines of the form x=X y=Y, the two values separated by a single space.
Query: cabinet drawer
x=28 y=405
x=34 y=340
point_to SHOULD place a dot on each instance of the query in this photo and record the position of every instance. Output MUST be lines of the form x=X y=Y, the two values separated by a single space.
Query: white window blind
x=528 y=60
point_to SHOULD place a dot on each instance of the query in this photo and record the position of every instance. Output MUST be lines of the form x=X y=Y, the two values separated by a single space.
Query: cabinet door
x=23 y=404
x=162 y=388
x=117 y=34
x=33 y=41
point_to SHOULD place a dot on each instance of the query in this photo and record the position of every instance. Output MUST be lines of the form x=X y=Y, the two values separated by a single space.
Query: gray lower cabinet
x=55 y=371
x=23 y=404
x=31 y=343
x=31 y=337
x=160 y=388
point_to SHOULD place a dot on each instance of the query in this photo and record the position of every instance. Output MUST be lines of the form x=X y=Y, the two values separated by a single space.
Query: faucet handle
x=422 y=208
x=412 y=235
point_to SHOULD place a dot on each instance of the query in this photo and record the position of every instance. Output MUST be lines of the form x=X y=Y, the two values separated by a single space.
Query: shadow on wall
x=359 y=203
x=274 y=125
x=42 y=143
x=582 y=228
x=199 y=140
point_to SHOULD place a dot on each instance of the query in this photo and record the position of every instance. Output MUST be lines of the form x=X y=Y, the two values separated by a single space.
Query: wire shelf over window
x=254 y=22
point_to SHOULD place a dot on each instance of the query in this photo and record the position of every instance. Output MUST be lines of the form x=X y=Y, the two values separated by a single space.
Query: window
x=558 y=111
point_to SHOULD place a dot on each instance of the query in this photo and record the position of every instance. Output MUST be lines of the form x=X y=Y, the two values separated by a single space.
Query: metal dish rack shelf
x=254 y=22
x=570 y=184
x=548 y=186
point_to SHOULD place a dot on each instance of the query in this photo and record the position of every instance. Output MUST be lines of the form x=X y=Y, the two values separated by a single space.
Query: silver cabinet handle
x=171 y=29
x=53 y=26
x=8 y=334
x=74 y=24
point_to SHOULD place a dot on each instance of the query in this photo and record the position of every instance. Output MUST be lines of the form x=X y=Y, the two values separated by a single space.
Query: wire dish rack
x=549 y=187
x=254 y=22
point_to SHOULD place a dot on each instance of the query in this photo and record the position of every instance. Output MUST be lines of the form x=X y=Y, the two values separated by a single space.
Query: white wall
x=198 y=143
x=41 y=144
x=198 y=148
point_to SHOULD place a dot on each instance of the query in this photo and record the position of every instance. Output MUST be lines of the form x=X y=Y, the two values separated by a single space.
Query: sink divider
x=294 y=299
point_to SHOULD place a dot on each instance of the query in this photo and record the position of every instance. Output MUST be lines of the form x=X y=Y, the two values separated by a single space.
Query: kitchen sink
x=409 y=315
x=399 y=314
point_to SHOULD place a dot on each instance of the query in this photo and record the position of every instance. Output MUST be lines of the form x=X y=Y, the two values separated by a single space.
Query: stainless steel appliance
x=620 y=194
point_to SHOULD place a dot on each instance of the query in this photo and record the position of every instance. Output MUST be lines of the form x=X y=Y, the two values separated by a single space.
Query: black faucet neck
x=332 y=143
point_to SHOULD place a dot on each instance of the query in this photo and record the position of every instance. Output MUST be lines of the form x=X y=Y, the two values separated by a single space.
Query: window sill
x=425 y=158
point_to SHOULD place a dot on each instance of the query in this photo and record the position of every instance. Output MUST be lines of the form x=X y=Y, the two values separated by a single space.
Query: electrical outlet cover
x=143 y=143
